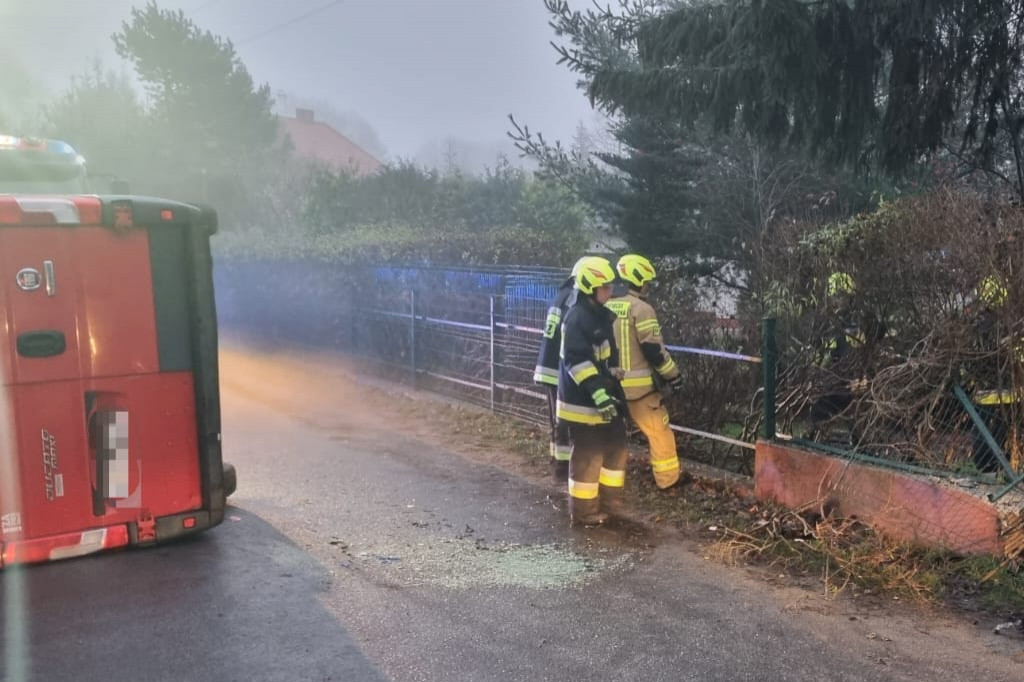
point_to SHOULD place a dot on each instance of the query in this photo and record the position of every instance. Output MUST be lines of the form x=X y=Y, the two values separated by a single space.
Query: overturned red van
x=109 y=402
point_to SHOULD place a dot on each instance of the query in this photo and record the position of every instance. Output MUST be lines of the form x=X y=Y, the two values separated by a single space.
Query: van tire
x=230 y=480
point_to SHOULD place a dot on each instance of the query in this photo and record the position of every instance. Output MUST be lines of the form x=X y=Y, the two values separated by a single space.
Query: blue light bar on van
x=12 y=142
x=58 y=147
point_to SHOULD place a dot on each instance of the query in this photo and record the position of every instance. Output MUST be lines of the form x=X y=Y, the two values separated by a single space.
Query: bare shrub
x=916 y=266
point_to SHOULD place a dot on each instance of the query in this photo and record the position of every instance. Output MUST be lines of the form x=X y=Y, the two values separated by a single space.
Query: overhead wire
x=288 y=23
x=204 y=5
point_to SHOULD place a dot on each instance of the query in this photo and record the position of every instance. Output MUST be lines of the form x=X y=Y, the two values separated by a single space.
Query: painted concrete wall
x=902 y=506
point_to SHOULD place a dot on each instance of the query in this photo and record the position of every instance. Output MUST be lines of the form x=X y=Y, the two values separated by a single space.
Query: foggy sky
x=418 y=71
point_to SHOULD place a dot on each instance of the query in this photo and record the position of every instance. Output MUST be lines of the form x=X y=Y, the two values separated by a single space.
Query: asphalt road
x=360 y=547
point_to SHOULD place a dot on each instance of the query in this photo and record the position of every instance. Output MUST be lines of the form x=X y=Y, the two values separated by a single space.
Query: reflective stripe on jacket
x=546 y=371
x=841 y=344
x=588 y=350
x=996 y=397
x=641 y=348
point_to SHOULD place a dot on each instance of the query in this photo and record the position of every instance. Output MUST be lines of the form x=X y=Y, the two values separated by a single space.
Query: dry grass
x=847 y=556
x=845 y=553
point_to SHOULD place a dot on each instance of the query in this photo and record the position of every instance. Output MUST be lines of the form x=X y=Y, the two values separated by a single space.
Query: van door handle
x=41 y=344
x=51 y=278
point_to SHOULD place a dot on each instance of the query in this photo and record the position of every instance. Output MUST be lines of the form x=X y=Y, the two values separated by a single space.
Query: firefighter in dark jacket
x=589 y=399
x=545 y=374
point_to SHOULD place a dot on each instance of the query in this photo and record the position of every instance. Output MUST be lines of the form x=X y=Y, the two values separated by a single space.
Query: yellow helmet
x=576 y=267
x=992 y=291
x=840 y=283
x=593 y=273
x=636 y=270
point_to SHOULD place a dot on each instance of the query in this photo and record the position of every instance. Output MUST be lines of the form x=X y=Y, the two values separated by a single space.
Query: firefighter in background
x=589 y=399
x=989 y=379
x=545 y=374
x=844 y=337
x=642 y=354
x=846 y=333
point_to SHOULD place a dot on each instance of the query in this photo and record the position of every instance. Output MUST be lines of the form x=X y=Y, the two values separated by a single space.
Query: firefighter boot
x=612 y=485
x=590 y=520
x=584 y=504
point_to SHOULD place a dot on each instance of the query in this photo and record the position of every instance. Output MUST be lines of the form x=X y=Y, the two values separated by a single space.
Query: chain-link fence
x=473 y=334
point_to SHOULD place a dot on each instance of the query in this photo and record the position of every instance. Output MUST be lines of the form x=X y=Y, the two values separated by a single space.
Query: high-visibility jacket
x=546 y=371
x=641 y=348
x=584 y=368
x=845 y=340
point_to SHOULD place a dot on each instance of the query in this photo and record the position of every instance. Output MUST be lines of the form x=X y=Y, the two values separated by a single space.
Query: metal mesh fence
x=905 y=412
x=473 y=334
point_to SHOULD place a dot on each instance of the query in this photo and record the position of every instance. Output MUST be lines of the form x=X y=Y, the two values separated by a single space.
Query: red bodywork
x=110 y=447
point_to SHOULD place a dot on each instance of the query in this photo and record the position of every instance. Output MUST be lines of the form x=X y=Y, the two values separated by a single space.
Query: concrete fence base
x=903 y=506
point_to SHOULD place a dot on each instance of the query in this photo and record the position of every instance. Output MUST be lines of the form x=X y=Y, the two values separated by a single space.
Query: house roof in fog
x=319 y=143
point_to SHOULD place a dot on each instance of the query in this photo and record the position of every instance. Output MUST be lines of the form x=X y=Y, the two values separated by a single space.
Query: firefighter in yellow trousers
x=641 y=354
x=589 y=399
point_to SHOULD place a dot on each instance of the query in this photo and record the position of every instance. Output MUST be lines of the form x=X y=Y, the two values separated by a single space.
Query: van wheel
x=230 y=480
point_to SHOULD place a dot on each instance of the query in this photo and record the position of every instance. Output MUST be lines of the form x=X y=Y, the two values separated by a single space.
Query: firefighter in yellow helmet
x=589 y=399
x=545 y=374
x=992 y=292
x=840 y=284
x=844 y=336
x=642 y=354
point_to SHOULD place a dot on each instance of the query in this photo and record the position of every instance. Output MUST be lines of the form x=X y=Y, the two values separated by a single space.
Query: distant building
x=320 y=144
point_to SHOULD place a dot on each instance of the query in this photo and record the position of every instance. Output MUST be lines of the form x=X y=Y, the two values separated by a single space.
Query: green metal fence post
x=769 y=358
x=979 y=424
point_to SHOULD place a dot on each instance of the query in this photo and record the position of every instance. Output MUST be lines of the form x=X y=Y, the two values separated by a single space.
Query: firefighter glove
x=675 y=384
x=618 y=373
x=605 y=404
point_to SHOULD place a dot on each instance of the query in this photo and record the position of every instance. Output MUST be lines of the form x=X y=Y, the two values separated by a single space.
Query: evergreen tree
x=859 y=83
x=213 y=129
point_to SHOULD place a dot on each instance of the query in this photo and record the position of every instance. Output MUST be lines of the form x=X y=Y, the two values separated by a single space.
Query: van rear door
x=103 y=437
